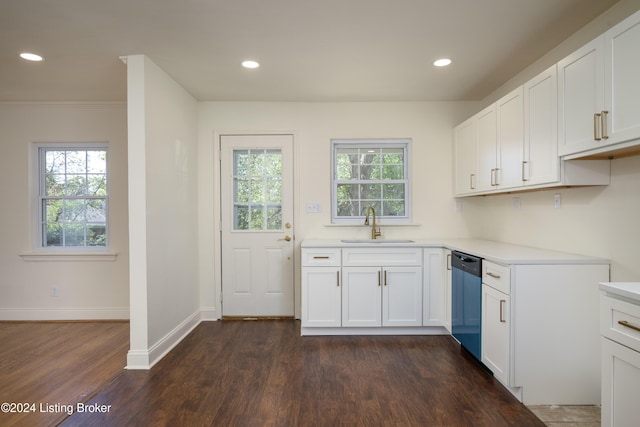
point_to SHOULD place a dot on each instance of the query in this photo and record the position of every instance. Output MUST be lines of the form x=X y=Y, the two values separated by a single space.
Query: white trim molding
x=91 y=313
x=145 y=359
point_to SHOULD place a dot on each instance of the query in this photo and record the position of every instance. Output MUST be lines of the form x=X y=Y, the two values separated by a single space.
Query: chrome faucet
x=374 y=233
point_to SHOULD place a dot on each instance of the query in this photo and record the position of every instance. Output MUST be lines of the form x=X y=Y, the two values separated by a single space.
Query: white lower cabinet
x=381 y=296
x=620 y=383
x=620 y=329
x=373 y=290
x=540 y=336
x=321 y=297
x=321 y=290
x=495 y=332
x=434 y=289
x=447 y=290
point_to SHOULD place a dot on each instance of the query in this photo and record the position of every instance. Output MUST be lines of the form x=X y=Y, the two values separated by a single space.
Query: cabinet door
x=447 y=290
x=486 y=139
x=620 y=384
x=580 y=97
x=464 y=152
x=495 y=332
x=622 y=68
x=541 y=164
x=434 y=299
x=361 y=296
x=510 y=116
x=321 y=296
x=402 y=296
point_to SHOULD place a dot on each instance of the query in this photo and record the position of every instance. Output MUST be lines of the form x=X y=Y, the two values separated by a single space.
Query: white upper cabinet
x=549 y=131
x=541 y=164
x=599 y=95
x=622 y=74
x=464 y=157
x=508 y=173
x=487 y=148
x=581 y=98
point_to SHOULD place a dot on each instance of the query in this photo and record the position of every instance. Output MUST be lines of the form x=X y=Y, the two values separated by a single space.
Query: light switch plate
x=313 y=207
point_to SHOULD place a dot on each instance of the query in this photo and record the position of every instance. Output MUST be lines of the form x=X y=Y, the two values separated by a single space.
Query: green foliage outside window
x=257 y=180
x=74 y=197
x=370 y=176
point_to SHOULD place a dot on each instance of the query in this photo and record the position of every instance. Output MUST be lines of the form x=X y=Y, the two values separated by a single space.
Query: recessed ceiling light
x=250 y=64
x=442 y=62
x=31 y=56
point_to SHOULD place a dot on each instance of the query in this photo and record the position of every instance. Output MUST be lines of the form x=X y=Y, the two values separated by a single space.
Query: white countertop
x=629 y=290
x=502 y=253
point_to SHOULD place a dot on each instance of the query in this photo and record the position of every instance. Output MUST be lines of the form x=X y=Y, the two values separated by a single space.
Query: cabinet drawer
x=620 y=321
x=378 y=257
x=315 y=257
x=497 y=276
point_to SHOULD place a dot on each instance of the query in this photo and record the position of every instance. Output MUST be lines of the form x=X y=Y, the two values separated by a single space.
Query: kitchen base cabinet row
x=372 y=291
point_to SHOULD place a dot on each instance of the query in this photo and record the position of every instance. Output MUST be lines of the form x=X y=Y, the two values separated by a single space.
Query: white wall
x=429 y=125
x=162 y=212
x=596 y=221
x=86 y=289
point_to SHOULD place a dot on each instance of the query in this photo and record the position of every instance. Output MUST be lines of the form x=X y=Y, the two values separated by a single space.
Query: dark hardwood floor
x=48 y=363
x=234 y=373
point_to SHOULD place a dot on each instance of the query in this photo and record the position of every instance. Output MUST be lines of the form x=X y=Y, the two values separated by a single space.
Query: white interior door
x=257 y=225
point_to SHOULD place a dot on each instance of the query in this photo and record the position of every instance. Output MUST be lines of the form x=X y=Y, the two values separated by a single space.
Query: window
x=72 y=196
x=370 y=173
x=257 y=189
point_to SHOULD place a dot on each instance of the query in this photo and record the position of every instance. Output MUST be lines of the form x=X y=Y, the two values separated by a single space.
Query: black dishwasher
x=466 y=301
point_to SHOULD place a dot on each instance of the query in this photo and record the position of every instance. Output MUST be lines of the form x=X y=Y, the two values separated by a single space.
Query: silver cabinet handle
x=524 y=179
x=448 y=261
x=596 y=137
x=338 y=278
x=603 y=124
x=495 y=276
x=628 y=325
x=320 y=257
x=385 y=277
x=502 y=319
x=471 y=183
x=378 y=278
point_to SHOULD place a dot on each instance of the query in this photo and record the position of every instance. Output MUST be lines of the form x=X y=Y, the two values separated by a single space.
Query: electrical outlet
x=516 y=203
x=458 y=206
x=557 y=201
x=54 y=291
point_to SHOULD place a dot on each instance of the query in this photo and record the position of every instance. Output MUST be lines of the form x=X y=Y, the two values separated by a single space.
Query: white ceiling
x=309 y=50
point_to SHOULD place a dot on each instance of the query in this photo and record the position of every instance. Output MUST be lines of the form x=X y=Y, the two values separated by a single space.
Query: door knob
x=287 y=238
x=287 y=225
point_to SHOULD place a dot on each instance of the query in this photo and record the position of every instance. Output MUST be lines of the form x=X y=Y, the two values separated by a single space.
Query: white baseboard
x=145 y=359
x=208 y=314
x=106 y=313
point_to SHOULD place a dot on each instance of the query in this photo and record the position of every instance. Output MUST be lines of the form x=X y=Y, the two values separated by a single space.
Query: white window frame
x=38 y=192
x=405 y=144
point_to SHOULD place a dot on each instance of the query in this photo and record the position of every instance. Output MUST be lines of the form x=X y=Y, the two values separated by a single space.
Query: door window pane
x=257 y=187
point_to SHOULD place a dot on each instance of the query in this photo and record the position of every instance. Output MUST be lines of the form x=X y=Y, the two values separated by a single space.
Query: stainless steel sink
x=377 y=241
